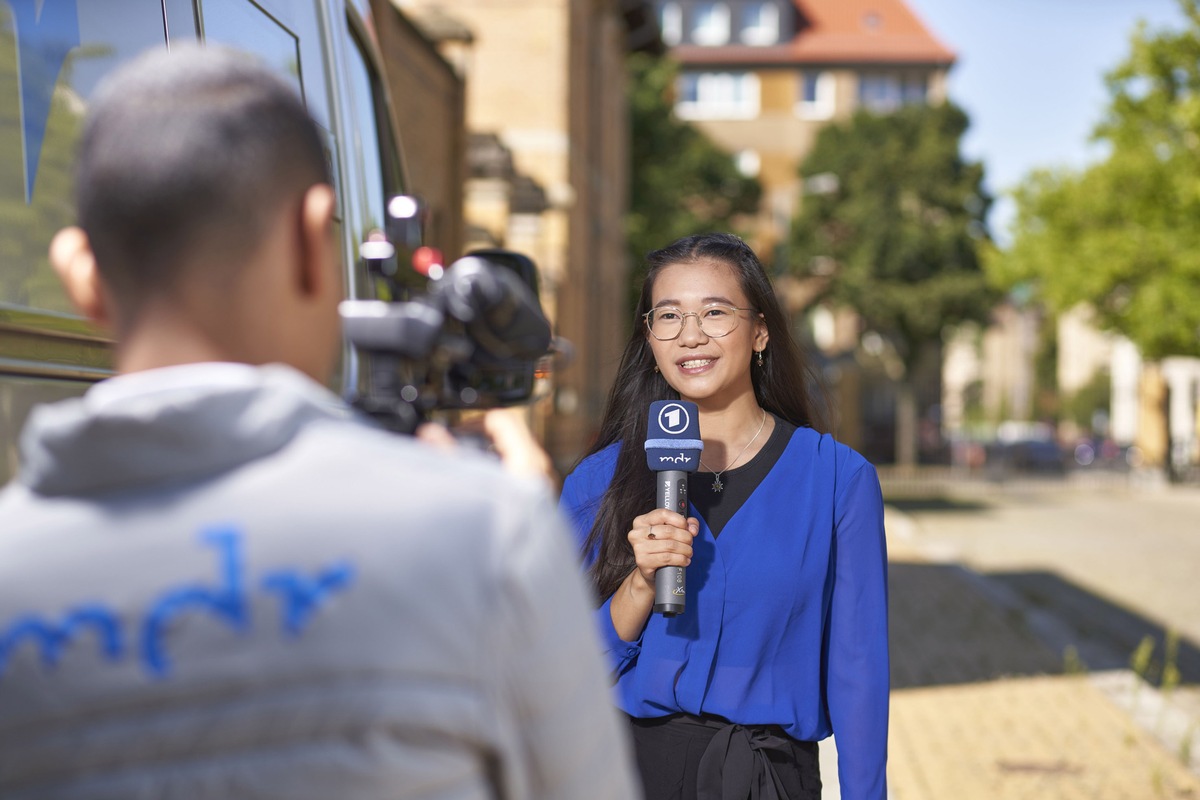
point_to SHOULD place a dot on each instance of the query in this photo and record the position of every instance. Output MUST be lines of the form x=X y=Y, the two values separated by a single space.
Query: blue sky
x=1030 y=74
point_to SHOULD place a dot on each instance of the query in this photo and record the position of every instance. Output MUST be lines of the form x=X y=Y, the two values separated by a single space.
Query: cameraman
x=215 y=581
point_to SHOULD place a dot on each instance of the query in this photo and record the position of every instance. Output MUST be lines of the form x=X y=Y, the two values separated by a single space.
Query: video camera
x=471 y=335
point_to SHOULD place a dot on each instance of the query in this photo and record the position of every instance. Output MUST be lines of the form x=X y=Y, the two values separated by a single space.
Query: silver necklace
x=717 y=486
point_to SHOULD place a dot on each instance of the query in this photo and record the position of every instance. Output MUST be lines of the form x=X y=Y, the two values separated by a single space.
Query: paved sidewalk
x=1050 y=738
x=981 y=707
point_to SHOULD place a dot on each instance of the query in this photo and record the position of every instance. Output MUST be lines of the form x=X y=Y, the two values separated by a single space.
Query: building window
x=879 y=93
x=816 y=95
x=718 y=95
x=670 y=23
x=886 y=92
x=915 y=88
x=760 y=23
x=710 y=23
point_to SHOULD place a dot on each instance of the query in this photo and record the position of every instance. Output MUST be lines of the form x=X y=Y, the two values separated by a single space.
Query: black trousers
x=683 y=757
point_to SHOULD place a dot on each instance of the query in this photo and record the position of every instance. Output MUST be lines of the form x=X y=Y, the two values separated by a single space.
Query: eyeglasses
x=666 y=322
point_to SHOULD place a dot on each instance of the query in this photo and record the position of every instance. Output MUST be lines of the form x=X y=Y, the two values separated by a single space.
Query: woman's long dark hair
x=785 y=385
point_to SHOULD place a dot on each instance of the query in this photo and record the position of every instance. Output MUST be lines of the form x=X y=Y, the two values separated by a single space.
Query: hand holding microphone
x=673 y=448
x=661 y=540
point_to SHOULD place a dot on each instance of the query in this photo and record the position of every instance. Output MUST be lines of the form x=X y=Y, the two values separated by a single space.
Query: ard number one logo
x=673 y=419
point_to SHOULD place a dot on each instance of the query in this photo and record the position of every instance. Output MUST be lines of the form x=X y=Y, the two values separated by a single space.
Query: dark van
x=52 y=55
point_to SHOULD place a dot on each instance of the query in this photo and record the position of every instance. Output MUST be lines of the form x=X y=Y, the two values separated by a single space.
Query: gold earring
x=759 y=352
x=656 y=367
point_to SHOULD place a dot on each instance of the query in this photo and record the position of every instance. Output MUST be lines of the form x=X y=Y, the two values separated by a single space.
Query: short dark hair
x=186 y=157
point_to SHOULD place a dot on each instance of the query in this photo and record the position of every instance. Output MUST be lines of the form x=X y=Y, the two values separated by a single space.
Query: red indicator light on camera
x=428 y=262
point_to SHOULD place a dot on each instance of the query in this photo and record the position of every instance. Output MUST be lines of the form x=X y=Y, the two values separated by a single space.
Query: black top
x=716 y=508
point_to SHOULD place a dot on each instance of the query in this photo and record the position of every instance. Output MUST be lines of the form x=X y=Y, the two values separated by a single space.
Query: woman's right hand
x=660 y=539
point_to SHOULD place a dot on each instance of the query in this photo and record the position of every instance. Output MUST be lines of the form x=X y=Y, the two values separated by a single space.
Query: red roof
x=838 y=32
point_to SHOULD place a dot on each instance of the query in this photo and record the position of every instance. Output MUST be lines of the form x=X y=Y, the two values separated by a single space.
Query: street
x=1130 y=549
x=1017 y=613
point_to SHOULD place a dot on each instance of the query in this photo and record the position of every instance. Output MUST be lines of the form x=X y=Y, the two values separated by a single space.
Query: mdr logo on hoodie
x=300 y=598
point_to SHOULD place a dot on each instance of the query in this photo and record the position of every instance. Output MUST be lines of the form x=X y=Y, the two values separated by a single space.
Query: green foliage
x=974 y=413
x=26 y=228
x=680 y=182
x=1046 y=400
x=898 y=224
x=1122 y=234
x=1072 y=663
x=1093 y=396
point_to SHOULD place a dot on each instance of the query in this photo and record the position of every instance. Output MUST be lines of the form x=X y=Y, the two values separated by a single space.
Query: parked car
x=1097 y=452
x=1027 y=448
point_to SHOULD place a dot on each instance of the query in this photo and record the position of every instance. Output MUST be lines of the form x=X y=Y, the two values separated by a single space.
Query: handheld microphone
x=673 y=448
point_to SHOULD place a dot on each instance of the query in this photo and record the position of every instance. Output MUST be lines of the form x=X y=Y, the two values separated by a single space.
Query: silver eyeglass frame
x=683 y=315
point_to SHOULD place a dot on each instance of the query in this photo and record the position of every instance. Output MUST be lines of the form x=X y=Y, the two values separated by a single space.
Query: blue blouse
x=786 y=618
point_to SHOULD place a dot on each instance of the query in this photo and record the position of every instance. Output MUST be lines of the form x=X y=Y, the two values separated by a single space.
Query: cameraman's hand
x=435 y=435
x=514 y=443
x=509 y=436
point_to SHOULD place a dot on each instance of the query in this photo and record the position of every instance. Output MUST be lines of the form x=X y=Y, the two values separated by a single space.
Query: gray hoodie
x=215 y=582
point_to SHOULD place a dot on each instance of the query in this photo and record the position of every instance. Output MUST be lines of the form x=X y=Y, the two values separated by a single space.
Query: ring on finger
x=650 y=535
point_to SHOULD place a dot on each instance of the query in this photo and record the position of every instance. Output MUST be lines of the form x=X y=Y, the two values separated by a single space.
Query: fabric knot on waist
x=736 y=764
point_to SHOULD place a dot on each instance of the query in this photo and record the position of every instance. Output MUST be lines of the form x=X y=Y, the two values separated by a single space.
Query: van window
x=246 y=26
x=181 y=20
x=374 y=148
x=52 y=55
x=370 y=151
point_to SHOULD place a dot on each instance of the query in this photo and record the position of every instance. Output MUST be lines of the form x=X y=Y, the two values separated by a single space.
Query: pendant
x=717 y=486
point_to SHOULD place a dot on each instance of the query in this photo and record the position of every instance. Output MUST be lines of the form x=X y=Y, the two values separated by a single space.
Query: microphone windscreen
x=673 y=436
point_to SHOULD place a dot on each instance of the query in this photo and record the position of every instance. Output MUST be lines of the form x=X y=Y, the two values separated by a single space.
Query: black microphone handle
x=670 y=583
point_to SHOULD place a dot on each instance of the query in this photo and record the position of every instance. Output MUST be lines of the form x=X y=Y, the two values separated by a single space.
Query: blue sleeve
x=857 y=676
x=579 y=502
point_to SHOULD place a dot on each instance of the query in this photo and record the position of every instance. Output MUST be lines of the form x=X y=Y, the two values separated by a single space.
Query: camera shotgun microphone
x=673 y=448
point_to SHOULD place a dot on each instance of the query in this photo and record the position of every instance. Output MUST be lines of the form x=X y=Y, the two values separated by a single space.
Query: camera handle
x=401 y=339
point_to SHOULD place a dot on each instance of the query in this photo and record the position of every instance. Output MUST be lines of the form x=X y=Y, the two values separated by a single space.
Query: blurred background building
x=524 y=128
x=761 y=77
x=548 y=160
x=430 y=120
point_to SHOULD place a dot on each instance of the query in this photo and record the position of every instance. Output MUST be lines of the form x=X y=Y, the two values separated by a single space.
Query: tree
x=681 y=183
x=893 y=221
x=1094 y=396
x=1122 y=235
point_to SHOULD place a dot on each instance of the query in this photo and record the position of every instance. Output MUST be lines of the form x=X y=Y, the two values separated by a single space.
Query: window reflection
x=718 y=95
x=242 y=24
x=760 y=23
x=670 y=23
x=368 y=144
x=52 y=55
x=887 y=92
x=817 y=94
x=710 y=23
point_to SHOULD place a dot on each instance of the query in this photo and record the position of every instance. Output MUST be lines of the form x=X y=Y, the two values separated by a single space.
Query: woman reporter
x=784 y=639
